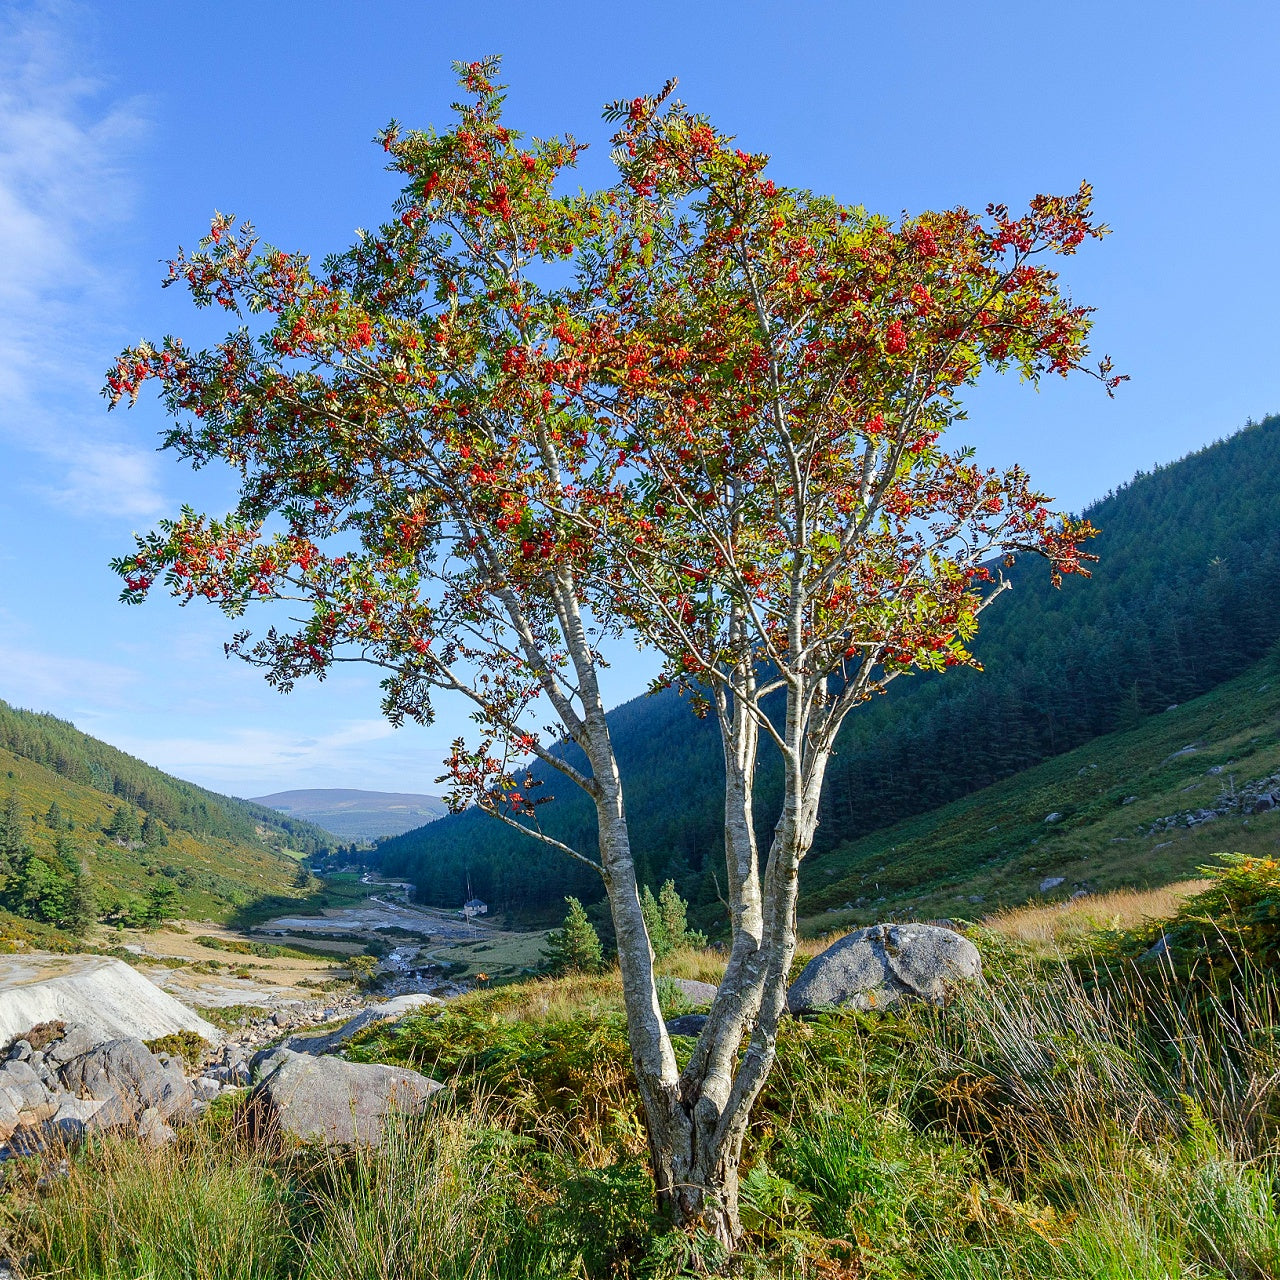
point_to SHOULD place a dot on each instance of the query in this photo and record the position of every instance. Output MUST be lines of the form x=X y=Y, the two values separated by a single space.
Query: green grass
x=996 y=846
x=1086 y=1117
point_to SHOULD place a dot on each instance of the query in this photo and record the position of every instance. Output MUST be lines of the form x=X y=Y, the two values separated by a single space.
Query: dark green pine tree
x=575 y=948
x=124 y=825
x=13 y=835
x=80 y=911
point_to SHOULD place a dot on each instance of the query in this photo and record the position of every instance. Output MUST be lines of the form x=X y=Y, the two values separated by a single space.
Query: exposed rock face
x=353 y=1026
x=308 y=1098
x=876 y=968
x=127 y=1074
x=107 y=997
x=1050 y=883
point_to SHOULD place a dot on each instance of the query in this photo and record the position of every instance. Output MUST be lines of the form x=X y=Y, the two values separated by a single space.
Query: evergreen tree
x=159 y=906
x=80 y=911
x=673 y=912
x=654 y=924
x=53 y=819
x=13 y=837
x=35 y=890
x=66 y=851
x=575 y=948
x=124 y=825
x=153 y=833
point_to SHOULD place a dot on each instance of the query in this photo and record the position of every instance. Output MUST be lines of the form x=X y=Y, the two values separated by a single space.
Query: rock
x=398 y=1006
x=698 y=994
x=152 y=1129
x=877 y=967
x=75 y=1117
x=307 y=1097
x=8 y=1116
x=23 y=1086
x=103 y=994
x=1161 y=948
x=126 y=1071
x=206 y=1088
x=77 y=1039
x=1053 y=817
x=1050 y=883
x=1080 y=893
x=1263 y=803
x=19 y=1051
x=382 y=1012
x=687 y=1024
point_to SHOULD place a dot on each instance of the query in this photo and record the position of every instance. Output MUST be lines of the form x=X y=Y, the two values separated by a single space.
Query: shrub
x=190 y=1046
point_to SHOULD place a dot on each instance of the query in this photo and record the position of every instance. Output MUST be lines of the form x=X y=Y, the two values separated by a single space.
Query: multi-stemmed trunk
x=697 y=1119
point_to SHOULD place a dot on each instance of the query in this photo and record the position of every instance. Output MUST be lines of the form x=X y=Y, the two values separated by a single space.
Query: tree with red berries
x=695 y=406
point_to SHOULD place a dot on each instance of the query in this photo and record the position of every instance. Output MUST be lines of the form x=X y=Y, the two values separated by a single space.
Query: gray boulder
x=125 y=1071
x=876 y=968
x=687 y=1024
x=309 y=1098
x=20 y=1082
x=8 y=1116
x=698 y=994
x=77 y=1039
x=1050 y=883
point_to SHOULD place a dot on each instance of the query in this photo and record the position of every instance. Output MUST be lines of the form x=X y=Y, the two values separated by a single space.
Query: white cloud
x=109 y=478
x=255 y=761
x=46 y=681
x=65 y=193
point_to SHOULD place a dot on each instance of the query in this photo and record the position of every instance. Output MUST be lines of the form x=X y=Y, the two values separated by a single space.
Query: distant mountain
x=357 y=815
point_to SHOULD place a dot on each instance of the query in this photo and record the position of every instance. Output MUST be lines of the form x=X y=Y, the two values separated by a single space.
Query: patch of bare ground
x=211 y=975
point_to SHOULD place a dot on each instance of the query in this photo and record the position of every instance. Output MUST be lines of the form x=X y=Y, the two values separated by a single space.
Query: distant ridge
x=357 y=815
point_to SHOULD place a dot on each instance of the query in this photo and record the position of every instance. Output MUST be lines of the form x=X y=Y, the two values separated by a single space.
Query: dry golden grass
x=557 y=999
x=698 y=963
x=1064 y=924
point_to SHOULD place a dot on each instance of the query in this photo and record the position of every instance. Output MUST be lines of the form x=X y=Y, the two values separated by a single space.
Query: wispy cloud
x=253 y=761
x=65 y=192
x=69 y=685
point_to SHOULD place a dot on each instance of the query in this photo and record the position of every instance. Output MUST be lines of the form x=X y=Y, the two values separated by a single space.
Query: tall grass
x=1065 y=1118
x=122 y=1210
x=1054 y=928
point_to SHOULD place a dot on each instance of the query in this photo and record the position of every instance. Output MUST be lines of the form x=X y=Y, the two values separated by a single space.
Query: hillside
x=1128 y=809
x=89 y=831
x=357 y=815
x=1186 y=595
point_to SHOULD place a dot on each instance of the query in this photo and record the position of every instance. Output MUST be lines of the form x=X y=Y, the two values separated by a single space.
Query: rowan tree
x=510 y=422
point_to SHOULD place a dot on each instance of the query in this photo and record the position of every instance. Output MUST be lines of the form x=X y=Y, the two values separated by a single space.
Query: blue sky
x=122 y=127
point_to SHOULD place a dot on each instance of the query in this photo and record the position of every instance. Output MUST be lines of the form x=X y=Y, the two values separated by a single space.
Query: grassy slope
x=996 y=845
x=221 y=875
